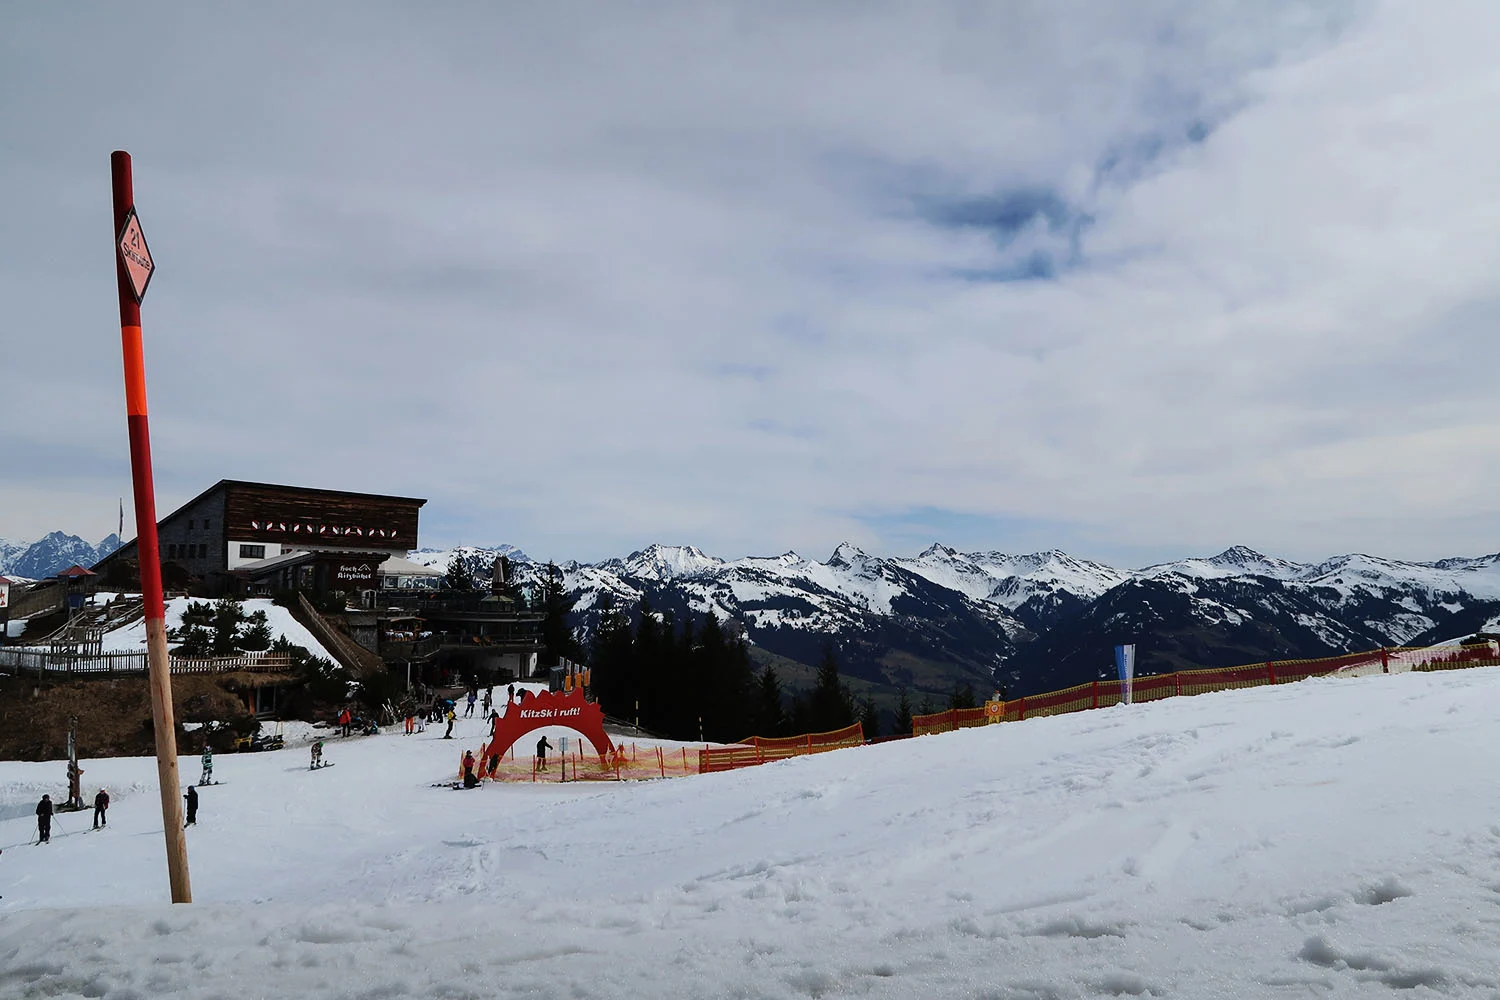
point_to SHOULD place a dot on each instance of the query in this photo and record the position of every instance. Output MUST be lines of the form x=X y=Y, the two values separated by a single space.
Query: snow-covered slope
x=132 y=638
x=1286 y=841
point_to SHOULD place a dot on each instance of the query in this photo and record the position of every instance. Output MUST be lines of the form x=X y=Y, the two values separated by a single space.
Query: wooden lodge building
x=259 y=539
x=239 y=537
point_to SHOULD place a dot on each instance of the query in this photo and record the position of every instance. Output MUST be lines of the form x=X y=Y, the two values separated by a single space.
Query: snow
x=1326 y=839
x=132 y=638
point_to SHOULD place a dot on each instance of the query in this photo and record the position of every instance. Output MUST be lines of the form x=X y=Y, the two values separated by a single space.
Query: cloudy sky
x=1135 y=280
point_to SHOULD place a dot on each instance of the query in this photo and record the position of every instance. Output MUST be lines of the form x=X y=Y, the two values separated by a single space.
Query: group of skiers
x=45 y=809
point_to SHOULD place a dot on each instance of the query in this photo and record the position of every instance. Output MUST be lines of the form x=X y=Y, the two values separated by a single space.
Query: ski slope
x=1335 y=838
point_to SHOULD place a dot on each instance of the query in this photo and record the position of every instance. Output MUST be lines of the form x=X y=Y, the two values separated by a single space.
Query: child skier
x=207 y=777
x=317 y=755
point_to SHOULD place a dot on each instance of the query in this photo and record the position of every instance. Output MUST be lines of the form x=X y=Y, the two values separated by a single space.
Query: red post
x=1385 y=661
x=1096 y=695
x=147 y=551
x=1270 y=672
x=1022 y=702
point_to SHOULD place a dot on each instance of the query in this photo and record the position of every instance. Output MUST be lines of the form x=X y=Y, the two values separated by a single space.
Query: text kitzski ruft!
x=549 y=713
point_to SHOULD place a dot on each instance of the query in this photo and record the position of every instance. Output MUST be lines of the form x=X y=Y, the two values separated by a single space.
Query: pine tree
x=612 y=659
x=869 y=719
x=770 y=714
x=903 y=714
x=226 y=626
x=962 y=697
x=649 y=668
x=557 y=634
x=256 y=638
x=830 y=706
x=459 y=576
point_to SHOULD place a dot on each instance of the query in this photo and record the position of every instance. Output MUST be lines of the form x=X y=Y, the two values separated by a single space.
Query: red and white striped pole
x=133 y=267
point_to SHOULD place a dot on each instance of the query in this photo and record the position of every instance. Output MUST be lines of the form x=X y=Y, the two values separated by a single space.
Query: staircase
x=351 y=655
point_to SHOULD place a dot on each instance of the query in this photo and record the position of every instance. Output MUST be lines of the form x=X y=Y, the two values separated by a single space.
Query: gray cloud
x=1160 y=275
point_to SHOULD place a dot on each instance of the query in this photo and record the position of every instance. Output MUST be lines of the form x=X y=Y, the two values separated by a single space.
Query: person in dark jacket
x=192 y=806
x=542 y=746
x=44 y=820
x=101 y=807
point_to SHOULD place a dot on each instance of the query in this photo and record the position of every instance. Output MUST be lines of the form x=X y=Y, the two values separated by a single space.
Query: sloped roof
x=397 y=566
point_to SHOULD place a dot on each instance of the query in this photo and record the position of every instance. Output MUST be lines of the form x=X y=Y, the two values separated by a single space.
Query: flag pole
x=130 y=243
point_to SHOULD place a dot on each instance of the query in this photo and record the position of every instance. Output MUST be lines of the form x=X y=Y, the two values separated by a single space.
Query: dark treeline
x=681 y=672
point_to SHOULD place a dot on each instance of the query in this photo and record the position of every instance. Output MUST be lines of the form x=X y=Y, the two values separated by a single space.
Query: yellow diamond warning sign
x=136 y=256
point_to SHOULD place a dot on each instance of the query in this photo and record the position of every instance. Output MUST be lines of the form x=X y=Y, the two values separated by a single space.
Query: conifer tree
x=256 y=638
x=829 y=703
x=557 y=635
x=963 y=696
x=903 y=714
x=459 y=576
x=612 y=658
x=770 y=714
x=649 y=668
x=226 y=626
x=869 y=719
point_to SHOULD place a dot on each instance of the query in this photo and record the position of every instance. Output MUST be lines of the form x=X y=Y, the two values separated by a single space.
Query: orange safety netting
x=1103 y=694
x=627 y=762
x=755 y=750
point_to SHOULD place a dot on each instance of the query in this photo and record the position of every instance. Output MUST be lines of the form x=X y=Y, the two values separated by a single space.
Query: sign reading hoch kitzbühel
x=136 y=256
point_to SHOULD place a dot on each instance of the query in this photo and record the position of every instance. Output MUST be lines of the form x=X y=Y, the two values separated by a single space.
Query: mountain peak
x=1239 y=555
x=847 y=554
x=666 y=562
x=940 y=550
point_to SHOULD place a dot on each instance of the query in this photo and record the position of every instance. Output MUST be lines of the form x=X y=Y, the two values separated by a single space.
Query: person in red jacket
x=345 y=718
x=469 y=779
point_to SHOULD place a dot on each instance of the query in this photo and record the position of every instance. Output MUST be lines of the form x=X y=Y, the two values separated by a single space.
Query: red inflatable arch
x=550 y=708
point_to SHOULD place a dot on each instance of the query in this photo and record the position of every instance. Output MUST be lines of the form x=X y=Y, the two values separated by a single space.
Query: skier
x=101 y=807
x=207 y=778
x=469 y=711
x=346 y=717
x=452 y=718
x=44 y=820
x=511 y=694
x=487 y=704
x=192 y=806
x=410 y=711
x=317 y=755
x=542 y=746
x=469 y=780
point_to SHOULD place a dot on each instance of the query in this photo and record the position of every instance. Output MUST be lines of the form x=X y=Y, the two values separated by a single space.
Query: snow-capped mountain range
x=51 y=555
x=1038 y=621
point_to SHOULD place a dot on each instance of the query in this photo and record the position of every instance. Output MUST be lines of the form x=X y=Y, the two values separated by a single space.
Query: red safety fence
x=762 y=750
x=1104 y=693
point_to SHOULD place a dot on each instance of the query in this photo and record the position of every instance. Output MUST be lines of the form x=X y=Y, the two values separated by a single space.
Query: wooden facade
x=235 y=522
x=320 y=519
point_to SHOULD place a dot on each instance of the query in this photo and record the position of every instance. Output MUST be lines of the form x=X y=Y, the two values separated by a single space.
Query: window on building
x=171 y=552
x=190 y=524
x=252 y=551
x=203 y=550
x=207 y=523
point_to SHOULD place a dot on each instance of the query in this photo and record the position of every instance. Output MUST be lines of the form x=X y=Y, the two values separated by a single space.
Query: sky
x=1134 y=280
